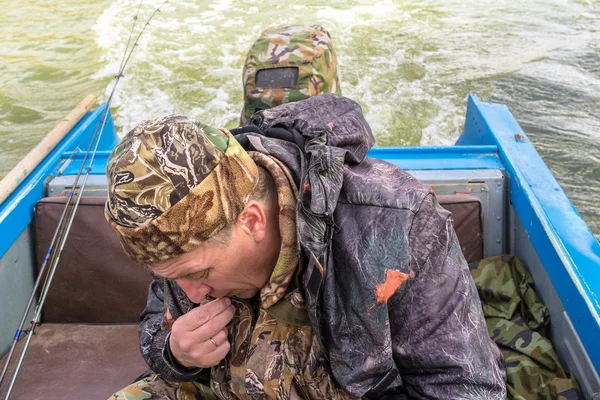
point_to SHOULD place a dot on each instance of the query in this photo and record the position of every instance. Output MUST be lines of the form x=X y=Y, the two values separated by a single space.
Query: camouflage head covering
x=174 y=182
x=307 y=48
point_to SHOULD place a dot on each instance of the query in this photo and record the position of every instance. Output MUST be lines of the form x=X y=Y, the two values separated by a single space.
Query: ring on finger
x=213 y=342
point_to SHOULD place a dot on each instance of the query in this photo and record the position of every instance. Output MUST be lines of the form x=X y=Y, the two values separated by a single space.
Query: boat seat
x=87 y=345
x=95 y=281
x=467 y=214
x=78 y=361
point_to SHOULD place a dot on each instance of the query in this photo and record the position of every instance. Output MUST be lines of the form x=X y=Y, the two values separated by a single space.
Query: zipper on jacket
x=248 y=306
x=330 y=229
x=217 y=387
x=239 y=357
x=300 y=390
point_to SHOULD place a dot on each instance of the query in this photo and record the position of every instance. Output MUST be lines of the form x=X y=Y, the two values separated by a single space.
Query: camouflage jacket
x=387 y=290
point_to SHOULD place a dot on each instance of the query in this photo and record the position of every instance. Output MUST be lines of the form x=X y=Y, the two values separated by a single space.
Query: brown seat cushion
x=73 y=361
x=468 y=223
x=95 y=282
x=109 y=288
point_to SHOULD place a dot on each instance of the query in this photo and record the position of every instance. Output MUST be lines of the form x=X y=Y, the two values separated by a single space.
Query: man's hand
x=191 y=334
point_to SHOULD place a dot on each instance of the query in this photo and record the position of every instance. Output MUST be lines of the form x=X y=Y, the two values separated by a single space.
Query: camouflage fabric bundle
x=173 y=183
x=517 y=321
x=308 y=48
x=155 y=387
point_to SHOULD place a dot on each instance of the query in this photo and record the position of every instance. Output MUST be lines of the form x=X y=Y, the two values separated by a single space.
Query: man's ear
x=253 y=220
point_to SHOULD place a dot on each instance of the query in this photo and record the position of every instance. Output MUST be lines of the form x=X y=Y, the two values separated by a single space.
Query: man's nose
x=194 y=290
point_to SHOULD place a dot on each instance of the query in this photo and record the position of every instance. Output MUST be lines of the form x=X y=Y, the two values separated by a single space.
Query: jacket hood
x=337 y=119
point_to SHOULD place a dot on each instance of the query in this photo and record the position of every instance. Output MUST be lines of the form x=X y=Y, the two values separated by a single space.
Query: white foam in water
x=221 y=5
x=380 y=9
x=215 y=107
x=383 y=106
x=137 y=98
x=110 y=69
x=161 y=70
x=108 y=33
x=567 y=75
x=136 y=106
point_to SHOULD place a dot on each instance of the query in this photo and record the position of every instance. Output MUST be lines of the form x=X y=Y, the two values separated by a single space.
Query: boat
x=503 y=198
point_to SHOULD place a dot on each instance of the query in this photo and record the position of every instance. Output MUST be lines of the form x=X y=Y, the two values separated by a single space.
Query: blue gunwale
x=564 y=243
x=423 y=158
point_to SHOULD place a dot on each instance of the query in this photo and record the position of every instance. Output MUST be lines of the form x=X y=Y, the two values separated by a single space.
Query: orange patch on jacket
x=393 y=280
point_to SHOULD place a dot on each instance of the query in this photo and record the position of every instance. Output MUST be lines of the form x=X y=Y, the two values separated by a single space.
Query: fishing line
x=68 y=214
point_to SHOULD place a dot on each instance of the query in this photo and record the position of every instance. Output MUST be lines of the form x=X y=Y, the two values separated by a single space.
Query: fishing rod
x=60 y=235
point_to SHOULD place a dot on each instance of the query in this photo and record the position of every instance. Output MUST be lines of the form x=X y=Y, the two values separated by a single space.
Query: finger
x=214 y=357
x=201 y=315
x=219 y=338
x=215 y=325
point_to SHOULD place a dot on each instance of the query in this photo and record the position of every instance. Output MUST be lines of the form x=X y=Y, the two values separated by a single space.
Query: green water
x=410 y=64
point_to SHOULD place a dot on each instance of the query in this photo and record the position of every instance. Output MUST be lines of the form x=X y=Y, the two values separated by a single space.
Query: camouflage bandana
x=173 y=183
x=308 y=48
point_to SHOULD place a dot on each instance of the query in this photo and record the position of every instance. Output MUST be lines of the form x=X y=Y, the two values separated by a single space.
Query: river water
x=410 y=64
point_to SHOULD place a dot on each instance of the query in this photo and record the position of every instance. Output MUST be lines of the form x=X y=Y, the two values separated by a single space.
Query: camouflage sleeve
x=153 y=338
x=440 y=341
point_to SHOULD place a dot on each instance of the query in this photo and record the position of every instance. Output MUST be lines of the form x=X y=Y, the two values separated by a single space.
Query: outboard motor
x=286 y=64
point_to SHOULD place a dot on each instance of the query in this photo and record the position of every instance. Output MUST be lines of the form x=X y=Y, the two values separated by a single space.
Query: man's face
x=238 y=269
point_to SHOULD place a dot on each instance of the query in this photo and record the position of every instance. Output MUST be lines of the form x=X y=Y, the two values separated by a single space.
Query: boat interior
x=87 y=341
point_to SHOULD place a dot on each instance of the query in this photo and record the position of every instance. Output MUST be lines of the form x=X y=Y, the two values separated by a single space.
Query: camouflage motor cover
x=308 y=48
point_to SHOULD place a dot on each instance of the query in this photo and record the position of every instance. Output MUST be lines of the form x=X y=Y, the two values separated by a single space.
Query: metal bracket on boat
x=519 y=137
x=67 y=161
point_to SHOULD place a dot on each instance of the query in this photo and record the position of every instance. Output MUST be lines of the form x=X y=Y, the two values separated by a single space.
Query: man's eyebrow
x=198 y=274
x=159 y=275
x=181 y=276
